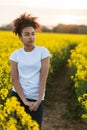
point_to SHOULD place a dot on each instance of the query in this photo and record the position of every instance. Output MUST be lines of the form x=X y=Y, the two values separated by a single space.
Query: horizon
x=50 y=26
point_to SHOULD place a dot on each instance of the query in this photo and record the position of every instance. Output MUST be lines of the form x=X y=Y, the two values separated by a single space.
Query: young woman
x=29 y=67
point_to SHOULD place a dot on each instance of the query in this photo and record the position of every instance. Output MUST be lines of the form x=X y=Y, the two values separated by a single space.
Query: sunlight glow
x=57 y=4
x=50 y=12
x=68 y=19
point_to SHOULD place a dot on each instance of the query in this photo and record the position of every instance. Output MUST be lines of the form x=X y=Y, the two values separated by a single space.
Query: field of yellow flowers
x=78 y=65
x=66 y=49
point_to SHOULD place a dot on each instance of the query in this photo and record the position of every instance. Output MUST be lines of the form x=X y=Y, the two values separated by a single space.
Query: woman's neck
x=29 y=48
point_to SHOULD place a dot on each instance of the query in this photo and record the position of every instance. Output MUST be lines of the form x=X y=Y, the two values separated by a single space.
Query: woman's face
x=28 y=36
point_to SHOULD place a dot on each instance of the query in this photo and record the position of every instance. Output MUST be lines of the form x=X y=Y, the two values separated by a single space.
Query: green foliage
x=74 y=109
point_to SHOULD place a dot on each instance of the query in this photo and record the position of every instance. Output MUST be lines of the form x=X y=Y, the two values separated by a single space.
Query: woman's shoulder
x=41 y=47
x=43 y=50
x=15 y=52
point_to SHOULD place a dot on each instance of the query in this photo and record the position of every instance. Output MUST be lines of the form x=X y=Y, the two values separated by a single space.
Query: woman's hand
x=34 y=105
x=26 y=102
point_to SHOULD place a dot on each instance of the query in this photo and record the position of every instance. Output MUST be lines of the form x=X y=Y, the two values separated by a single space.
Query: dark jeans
x=36 y=115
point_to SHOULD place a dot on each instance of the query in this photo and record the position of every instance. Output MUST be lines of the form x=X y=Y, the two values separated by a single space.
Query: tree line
x=60 y=28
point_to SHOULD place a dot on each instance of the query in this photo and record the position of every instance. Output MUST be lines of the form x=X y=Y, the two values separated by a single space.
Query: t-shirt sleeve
x=13 y=56
x=45 y=53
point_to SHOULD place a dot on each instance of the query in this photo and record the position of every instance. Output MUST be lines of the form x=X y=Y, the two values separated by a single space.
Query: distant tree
x=60 y=28
x=70 y=28
x=82 y=29
x=6 y=27
x=45 y=29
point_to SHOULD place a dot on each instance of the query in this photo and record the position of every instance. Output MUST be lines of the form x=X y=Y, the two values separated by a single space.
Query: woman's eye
x=26 y=34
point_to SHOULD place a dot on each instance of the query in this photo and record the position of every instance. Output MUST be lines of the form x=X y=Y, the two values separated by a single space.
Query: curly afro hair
x=25 y=20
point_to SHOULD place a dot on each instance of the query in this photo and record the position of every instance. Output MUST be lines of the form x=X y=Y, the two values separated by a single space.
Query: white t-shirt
x=29 y=65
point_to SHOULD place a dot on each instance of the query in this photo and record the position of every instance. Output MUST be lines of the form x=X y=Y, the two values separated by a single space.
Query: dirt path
x=53 y=119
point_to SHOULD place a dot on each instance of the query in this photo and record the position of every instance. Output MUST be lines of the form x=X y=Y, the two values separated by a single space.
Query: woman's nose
x=31 y=36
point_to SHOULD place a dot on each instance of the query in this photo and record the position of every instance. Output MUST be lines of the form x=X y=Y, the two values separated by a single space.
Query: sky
x=49 y=12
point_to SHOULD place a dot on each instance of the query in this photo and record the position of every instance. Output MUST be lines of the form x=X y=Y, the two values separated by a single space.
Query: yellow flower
x=85 y=95
x=79 y=99
x=84 y=116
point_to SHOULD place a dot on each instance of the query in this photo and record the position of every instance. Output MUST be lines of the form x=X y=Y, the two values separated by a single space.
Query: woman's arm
x=43 y=76
x=15 y=81
x=45 y=63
